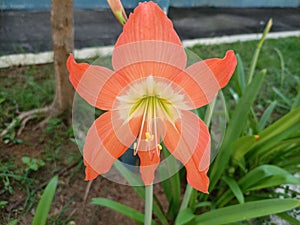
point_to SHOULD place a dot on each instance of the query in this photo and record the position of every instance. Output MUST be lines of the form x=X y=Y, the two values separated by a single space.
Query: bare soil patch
x=69 y=202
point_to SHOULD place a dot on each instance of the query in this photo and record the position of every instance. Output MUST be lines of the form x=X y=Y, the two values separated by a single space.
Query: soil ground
x=69 y=204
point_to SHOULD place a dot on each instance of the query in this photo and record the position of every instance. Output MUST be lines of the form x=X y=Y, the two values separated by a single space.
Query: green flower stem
x=148 y=204
x=186 y=198
x=257 y=51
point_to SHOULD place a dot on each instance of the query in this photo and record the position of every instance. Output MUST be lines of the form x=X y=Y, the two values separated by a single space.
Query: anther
x=149 y=137
x=159 y=146
x=135 y=148
x=134 y=145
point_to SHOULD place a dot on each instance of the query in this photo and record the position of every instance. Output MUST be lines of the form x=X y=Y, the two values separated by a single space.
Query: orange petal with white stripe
x=88 y=80
x=189 y=141
x=103 y=146
x=210 y=76
x=148 y=22
x=149 y=161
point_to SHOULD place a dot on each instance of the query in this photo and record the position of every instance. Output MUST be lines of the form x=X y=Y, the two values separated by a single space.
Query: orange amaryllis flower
x=148 y=97
x=118 y=10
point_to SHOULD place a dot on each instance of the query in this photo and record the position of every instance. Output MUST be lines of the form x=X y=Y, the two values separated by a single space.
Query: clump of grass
x=24 y=88
x=279 y=56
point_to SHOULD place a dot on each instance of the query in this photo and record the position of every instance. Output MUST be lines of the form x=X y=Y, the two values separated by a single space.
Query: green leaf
x=296 y=102
x=171 y=186
x=33 y=166
x=13 y=222
x=18 y=141
x=184 y=217
x=121 y=208
x=269 y=138
x=240 y=147
x=283 y=124
x=282 y=96
x=203 y=204
x=130 y=177
x=257 y=50
x=25 y=160
x=266 y=115
x=288 y=218
x=2 y=100
x=240 y=76
x=235 y=127
x=43 y=207
x=246 y=211
x=266 y=176
x=234 y=187
x=282 y=65
x=3 y=204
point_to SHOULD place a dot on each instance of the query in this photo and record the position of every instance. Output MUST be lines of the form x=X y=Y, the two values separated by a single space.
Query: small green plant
x=7 y=185
x=3 y=204
x=11 y=136
x=13 y=222
x=32 y=163
x=53 y=125
x=6 y=176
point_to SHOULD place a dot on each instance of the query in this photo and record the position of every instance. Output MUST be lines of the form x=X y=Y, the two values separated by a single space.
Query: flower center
x=153 y=106
x=154 y=110
x=154 y=101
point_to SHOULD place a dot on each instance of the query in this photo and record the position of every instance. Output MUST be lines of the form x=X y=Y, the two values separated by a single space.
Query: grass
x=279 y=56
x=25 y=88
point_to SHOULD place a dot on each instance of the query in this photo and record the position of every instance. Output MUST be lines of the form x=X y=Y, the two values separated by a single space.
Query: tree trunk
x=62 y=25
x=63 y=44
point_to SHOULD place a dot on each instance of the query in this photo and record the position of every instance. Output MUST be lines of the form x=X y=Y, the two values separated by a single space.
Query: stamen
x=134 y=145
x=142 y=127
x=155 y=125
x=144 y=99
x=159 y=146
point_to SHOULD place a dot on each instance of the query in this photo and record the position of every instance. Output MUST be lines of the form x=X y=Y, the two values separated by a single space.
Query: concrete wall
x=92 y=4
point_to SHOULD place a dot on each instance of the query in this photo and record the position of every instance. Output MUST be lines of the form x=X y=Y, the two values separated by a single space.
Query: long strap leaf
x=121 y=208
x=43 y=207
x=235 y=127
x=246 y=211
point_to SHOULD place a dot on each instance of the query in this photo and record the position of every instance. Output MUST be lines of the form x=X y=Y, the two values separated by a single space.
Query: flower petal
x=149 y=161
x=148 y=22
x=223 y=69
x=124 y=78
x=147 y=51
x=103 y=146
x=189 y=141
x=200 y=82
x=90 y=174
x=211 y=75
x=88 y=80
